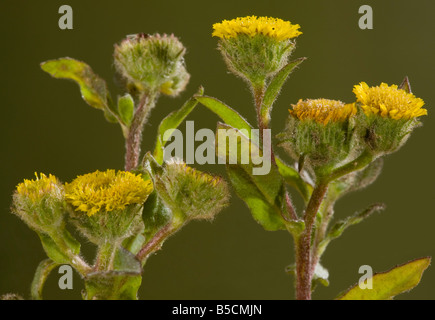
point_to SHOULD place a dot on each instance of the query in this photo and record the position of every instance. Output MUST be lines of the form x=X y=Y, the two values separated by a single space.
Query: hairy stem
x=155 y=242
x=106 y=256
x=359 y=163
x=134 y=136
x=304 y=257
x=41 y=275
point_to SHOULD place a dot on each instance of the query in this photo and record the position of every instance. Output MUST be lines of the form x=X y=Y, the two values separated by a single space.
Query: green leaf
x=126 y=109
x=56 y=246
x=263 y=194
x=126 y=261
x=274 y=88
x=292 y=177
x=172 y=121
x=52 y=250
x=155 y=215
x=391 y=283
x=338 y=229
x=93 y=88
x=226 y=113
x=41 y=275
x=235 y=120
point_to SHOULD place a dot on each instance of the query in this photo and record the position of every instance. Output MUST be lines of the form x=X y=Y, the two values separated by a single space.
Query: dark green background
x=46 y=127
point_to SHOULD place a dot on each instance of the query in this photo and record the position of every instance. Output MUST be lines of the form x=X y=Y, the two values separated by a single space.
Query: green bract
x=189 y=193
x=255 y=58
x=385 y=135
x=316 y=146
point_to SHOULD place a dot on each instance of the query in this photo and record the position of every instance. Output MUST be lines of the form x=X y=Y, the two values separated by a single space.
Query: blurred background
x=47 y=127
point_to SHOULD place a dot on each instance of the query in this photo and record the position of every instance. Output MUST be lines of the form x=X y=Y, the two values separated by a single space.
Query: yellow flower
x=389 y=101
x=35 y=190
x=322 y=110
x=107 y=191
x=252 y=25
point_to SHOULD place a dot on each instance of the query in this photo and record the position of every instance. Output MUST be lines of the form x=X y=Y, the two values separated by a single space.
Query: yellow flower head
x=252 y=25
x=35 y=190
x=389 y=101
x=322 y=110
x=107 y=191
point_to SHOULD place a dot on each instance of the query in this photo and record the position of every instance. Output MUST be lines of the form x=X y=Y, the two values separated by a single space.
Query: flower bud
x=390 y=116
x=320 y=132
x=40 y=203
x=190 y=194
x=107 y=206
x=256 y=48
x=152 y=63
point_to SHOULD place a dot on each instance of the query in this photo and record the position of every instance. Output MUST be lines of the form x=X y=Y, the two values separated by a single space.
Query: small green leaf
x=93 y=88
x=226 y=113
x=126 y=261
x=172 y=121
x=52 y=250
x=263 y=194
x=70 y=241
x=126 y=109
x=155 y=215
x=391 y=283
x=57 y=249
x=341 y=226
x=292 y=177
x=41 y=275
x=274 y=88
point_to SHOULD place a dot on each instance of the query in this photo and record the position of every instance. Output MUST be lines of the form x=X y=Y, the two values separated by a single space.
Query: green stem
x=106 y=256
x=41 y=275
x=258 y=92
x=359 y=163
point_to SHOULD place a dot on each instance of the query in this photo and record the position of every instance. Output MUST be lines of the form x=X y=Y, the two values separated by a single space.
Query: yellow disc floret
x=35 y=190
x=107 y=191
x=389 y=101
x=322 y=110
x=252 y=25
